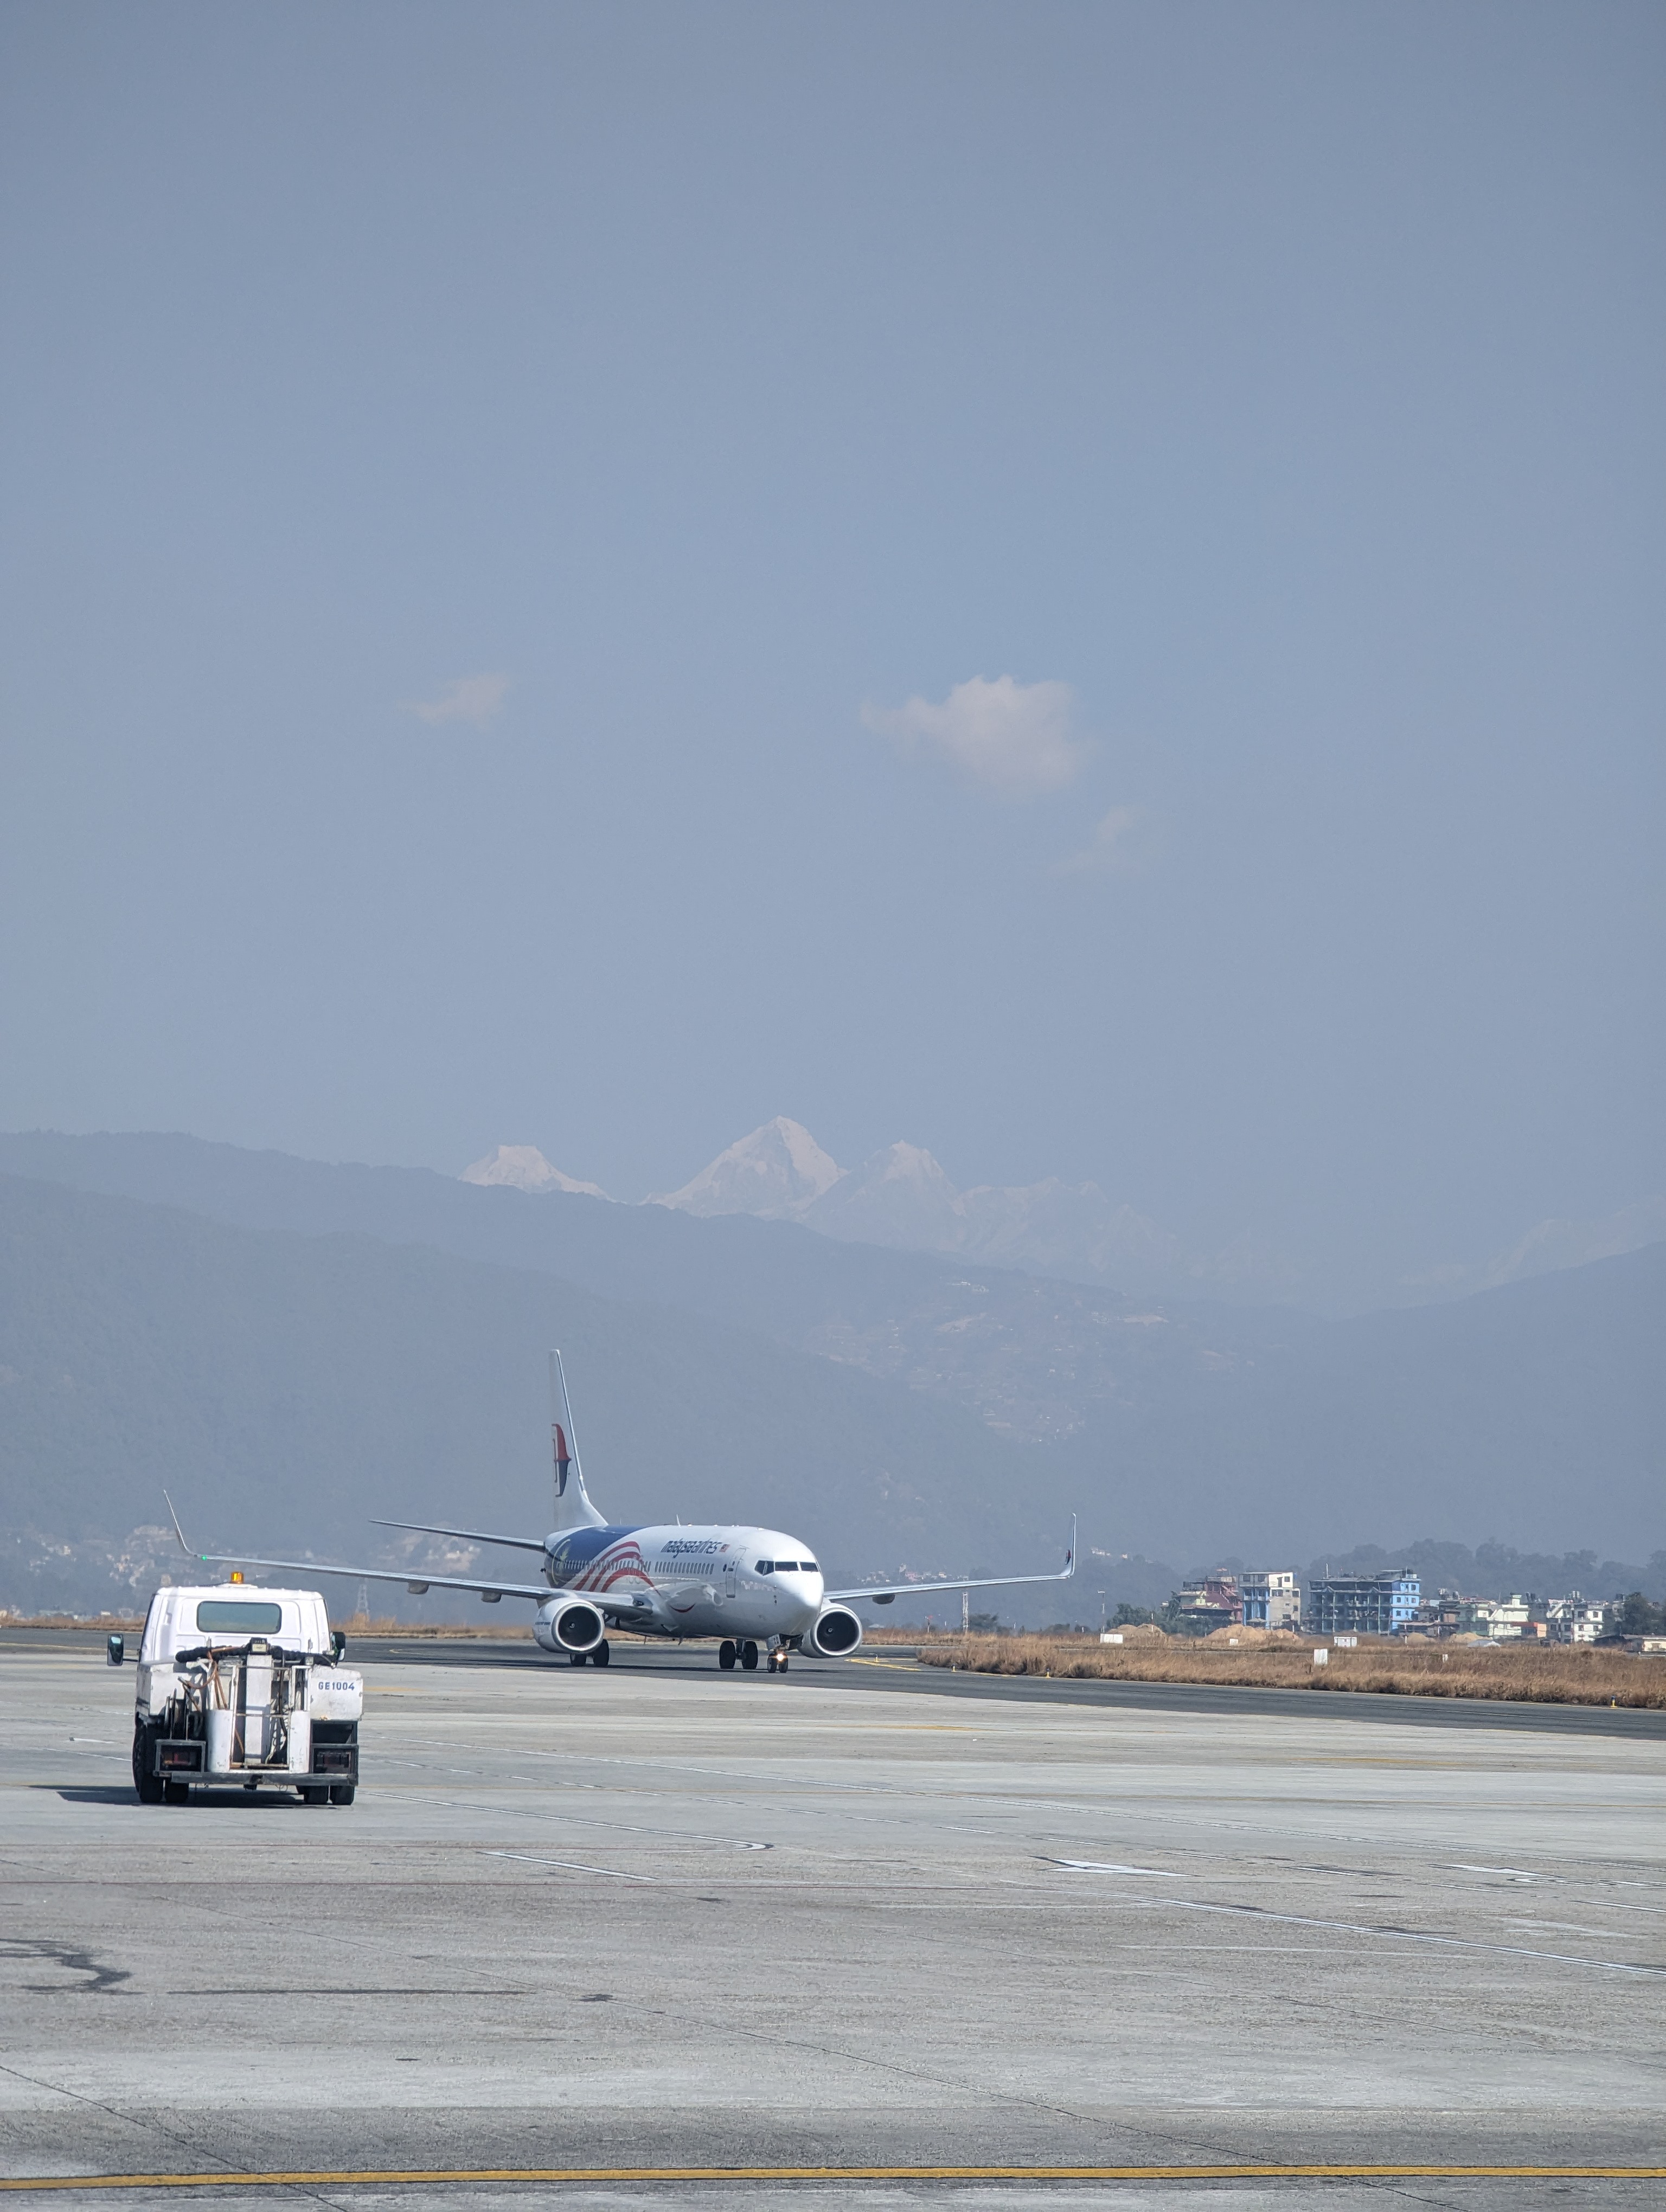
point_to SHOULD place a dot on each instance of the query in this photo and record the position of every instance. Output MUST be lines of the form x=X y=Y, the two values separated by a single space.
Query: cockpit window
x=766 y=1567
x=808 y=1567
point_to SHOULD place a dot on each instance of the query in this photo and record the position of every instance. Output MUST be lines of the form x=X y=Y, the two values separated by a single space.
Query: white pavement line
x=1401 y=1935
x=573 y=1866
x=1106 y=1865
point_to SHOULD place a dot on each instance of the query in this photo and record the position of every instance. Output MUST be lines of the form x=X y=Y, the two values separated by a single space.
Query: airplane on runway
x=748 y=1588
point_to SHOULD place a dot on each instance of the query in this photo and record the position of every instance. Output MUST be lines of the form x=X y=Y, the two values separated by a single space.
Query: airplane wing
x=538 y=1592
x=469 y=1535
x=416 y=1583
x=882 y=1593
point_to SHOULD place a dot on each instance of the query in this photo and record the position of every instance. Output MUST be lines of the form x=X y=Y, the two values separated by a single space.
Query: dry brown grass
x=85 y=1622
x=1567 y=1676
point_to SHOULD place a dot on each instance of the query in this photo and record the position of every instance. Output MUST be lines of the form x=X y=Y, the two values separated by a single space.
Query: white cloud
x=1015 y=738
x=1111 y=846
x=471 y=699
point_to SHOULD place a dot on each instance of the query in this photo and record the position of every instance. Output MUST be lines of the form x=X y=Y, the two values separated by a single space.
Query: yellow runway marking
x=377 y=2177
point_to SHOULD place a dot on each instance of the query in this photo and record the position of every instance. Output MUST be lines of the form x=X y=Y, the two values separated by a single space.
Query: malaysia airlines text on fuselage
x=752 y=1583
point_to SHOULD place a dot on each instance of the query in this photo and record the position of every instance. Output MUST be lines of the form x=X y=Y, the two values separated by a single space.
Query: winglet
x=1070 y=1556
x=180 y=1532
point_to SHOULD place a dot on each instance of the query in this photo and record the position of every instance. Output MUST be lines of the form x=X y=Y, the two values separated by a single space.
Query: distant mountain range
x=902 y=1198
x=287 y=1388
x=302 y=1344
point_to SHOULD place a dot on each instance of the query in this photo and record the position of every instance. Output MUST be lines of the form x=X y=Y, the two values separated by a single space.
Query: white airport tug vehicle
x=241 y=1686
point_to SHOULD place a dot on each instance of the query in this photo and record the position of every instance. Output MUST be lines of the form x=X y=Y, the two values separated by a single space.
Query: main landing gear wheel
x=577 y=1658
x=726 y=1654
x=749 y=1657
x=600 y=1656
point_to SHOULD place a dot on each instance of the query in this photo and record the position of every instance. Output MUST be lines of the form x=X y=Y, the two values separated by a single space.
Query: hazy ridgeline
x=292 y=1348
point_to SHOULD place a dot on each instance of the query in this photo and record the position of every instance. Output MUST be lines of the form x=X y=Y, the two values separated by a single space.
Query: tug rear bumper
x=185 y=1758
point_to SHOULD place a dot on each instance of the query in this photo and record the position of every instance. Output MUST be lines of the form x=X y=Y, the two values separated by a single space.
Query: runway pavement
x=656 y=1920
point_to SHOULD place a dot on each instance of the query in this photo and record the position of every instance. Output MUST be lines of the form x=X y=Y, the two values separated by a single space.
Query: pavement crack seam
x=1395 y=1935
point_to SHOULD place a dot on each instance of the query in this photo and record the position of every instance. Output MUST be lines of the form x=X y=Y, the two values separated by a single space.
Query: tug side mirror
x=115 y=1649
x=338 y=1644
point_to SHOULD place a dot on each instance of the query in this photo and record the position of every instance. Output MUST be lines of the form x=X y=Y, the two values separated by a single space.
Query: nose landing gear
x=778 y=1659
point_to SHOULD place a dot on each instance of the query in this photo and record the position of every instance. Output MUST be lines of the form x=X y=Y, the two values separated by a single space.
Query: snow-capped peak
x=523 y=1167
x=778 y=1171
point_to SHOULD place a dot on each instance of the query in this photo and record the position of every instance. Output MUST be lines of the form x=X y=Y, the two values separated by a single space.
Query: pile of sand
x=1253 y=1639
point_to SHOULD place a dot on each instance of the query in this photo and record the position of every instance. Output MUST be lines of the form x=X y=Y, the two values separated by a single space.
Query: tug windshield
x=239 y=1617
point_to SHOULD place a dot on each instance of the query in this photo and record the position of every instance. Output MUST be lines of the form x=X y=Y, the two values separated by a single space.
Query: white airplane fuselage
x=751 y=1584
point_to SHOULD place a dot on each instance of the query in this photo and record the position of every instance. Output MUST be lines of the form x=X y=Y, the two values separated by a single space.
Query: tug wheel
x=149 y=1786
x=341 y=1793
x=312 y=1793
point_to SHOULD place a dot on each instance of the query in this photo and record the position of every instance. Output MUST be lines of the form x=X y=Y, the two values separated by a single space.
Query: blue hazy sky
x=698 y=412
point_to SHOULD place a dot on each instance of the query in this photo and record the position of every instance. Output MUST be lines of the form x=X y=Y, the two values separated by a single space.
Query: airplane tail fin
x=573 y=1506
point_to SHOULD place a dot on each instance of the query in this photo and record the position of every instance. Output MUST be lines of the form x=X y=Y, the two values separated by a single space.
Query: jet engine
x=836 y=1634
x=568 y=1623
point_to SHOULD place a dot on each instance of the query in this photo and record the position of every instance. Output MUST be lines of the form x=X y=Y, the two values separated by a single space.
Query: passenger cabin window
x=237 y=1617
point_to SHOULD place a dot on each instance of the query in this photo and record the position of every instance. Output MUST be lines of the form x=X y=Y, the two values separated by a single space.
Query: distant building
x=1438 y=1616
x=1213 y=1603
x=1506 y=1619
x=1362 y=1605
x=1270 y=1598
x=1574 y=1619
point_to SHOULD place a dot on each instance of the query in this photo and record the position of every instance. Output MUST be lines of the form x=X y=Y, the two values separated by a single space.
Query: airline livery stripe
x=376 y=2177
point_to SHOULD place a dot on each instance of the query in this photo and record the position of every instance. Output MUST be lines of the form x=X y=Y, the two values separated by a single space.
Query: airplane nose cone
x=809 y=1595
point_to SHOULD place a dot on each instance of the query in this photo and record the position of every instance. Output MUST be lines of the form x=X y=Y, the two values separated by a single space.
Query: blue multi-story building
x=1364 y=1605
x=1270 y=1597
